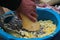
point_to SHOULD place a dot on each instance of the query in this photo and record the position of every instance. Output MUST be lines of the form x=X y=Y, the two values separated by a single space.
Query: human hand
x=28 y=8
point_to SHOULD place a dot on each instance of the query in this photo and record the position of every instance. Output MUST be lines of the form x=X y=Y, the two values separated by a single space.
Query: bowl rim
x=8 y=36
x=55 y=13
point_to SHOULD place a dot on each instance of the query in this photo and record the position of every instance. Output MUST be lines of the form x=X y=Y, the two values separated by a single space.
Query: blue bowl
x=43 y=14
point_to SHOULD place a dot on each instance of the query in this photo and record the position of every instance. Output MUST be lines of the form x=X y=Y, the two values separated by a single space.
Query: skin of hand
x=28 y=8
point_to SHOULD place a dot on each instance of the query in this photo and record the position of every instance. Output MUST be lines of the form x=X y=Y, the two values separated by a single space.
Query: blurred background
x=50 y=2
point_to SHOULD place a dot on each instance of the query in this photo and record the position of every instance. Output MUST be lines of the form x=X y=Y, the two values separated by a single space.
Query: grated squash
x=28 y=24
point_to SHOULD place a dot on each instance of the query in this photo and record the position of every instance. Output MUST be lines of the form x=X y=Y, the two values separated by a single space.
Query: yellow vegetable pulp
x=28 y=24
x=41 y=28
x=46 y=28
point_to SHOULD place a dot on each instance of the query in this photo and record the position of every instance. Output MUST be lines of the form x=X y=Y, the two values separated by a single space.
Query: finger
x=18 y=15
x=34 y=14
x=33 y=4
x=33 y=0
x=32 y=18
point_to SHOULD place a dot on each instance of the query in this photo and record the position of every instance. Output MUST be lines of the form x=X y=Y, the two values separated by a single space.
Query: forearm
x=10 y=4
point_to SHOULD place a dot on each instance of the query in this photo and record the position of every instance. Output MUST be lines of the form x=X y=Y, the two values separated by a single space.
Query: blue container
x=44 y=14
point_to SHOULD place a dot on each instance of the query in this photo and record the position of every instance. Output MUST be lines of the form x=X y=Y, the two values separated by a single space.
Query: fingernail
x=35 y=20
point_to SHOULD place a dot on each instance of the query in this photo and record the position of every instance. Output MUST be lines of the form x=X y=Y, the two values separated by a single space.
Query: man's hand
x=28 y=8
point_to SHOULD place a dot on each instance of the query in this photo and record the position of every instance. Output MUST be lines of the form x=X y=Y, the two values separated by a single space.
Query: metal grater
x=11 y=24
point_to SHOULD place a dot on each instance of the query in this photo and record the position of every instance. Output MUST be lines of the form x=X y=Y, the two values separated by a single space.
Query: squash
x=28 y=24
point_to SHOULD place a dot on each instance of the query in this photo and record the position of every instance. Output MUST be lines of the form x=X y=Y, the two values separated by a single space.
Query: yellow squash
x=28 y=24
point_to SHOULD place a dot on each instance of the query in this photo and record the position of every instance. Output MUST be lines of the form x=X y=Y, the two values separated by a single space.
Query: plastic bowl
x=44 y=14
